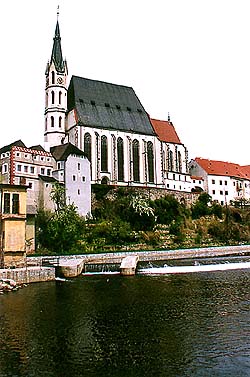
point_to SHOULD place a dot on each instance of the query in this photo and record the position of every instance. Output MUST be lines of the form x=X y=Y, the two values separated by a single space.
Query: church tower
x=55 y=95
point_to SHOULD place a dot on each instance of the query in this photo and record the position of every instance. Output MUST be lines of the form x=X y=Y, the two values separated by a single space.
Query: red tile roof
x=165 y=131
x=223 y=168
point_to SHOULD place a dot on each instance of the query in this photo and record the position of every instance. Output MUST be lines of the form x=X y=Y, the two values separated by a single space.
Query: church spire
x=56 y=56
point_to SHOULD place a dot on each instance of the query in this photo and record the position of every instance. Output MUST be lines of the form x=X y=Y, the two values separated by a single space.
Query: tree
x=60 y=231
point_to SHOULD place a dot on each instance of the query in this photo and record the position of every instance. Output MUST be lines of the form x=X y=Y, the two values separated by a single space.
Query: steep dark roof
x=17 y=143
x=109 y=106
x=61 y=152
x=37 y=148
x=56 y=55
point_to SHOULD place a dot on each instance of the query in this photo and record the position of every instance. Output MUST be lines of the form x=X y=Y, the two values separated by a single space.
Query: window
x=174 y=177
x=104 y=153
x=52 y=97
x=26 y=169
x=120 y=159
x=170 y=161
x=58 y=166
x=6 y=203
x=32 y=169
x=15 y=203
x=87 y=145
x=83 y=179
x=213 y=192
x=79 y=192
x=220 y=182
x=53 y=77
x=213 y=181
x=60 y=122
x=5 y=168
x=73 y=177
x=17 y=154
x=19 y=167
x=42 y=171
x=60 y=98
x=52 y=121
x=136 y=160
x=150 y=156
x=79 y=166
x=221 y=192
x=179 y=162
x=48 y=172
x=30 y=185
x=225 y=183
x=226 y=192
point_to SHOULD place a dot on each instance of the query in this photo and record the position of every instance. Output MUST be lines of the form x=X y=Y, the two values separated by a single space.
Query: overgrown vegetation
x=124 y=218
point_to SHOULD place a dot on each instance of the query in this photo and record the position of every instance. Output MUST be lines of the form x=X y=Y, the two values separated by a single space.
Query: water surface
x=194 y=324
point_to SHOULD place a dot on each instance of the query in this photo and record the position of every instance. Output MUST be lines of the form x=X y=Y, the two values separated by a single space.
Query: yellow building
x=12 y=225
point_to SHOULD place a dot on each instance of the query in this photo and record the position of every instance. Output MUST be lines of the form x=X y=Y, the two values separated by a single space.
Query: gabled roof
x=17 y=143
x=223 y=168
x=108 y=106
x=165 y=131
x=61 y=152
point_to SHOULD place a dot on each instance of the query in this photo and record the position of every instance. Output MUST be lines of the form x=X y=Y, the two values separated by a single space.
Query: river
x=195 y=324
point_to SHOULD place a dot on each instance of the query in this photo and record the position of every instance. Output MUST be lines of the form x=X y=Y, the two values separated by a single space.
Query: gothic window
x=60 y=122
x=52 y=121
x=87 y=145
x=150 y=162
x=104 y=153
x=60 y=98
x=170 y=161
x=136 y=161
x=53 y=77
x=120 y=159
x=179 y=162
x=52 y=97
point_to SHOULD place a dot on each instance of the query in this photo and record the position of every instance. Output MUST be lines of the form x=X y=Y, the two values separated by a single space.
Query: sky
x=186 y=58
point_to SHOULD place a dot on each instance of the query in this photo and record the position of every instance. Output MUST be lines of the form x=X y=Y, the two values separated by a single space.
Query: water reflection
x=188 y=325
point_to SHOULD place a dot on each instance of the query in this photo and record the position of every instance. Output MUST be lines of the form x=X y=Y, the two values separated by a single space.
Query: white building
x=223 y=181
x=109 y=123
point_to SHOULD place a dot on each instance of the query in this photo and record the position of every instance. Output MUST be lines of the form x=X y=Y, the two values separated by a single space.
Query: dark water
x=179 y=325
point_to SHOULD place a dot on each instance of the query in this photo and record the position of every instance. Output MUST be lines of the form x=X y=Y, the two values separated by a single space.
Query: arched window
x=179 y=162
x=87 y=145
x=150 y=162
x=46 y=122
x=52 y=121
x=136 y=161
x=52 y=97
x=120 y=159
x=170 y=161
x=53 y=77
x=104 y=153
x=60 y=122
x=60 y=98
x=46 y=100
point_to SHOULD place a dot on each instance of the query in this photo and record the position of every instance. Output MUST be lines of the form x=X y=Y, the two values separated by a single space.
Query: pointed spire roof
x=56 y=56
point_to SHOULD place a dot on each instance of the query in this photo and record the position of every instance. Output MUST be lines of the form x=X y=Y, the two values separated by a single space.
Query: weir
x=128 y=265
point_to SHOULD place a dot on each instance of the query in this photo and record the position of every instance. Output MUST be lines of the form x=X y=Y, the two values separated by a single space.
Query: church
x=109 y=123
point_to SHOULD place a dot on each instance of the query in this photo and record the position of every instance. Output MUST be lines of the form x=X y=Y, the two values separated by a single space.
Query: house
x=223 y=181
x=13 y=231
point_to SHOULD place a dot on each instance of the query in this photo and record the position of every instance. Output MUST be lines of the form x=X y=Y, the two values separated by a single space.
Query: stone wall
x=29 y=274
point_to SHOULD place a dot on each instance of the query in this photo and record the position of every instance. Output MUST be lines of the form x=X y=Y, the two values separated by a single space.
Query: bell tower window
x=60 y=122
x=60 y=98
x=52 y=121
x=52 y=97
x=53 y=77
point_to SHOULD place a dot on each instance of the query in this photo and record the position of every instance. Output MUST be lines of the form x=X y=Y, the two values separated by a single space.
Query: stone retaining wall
x=29 y=274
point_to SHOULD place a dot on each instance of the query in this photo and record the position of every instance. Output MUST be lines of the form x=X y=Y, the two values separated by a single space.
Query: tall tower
x=55 y=94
